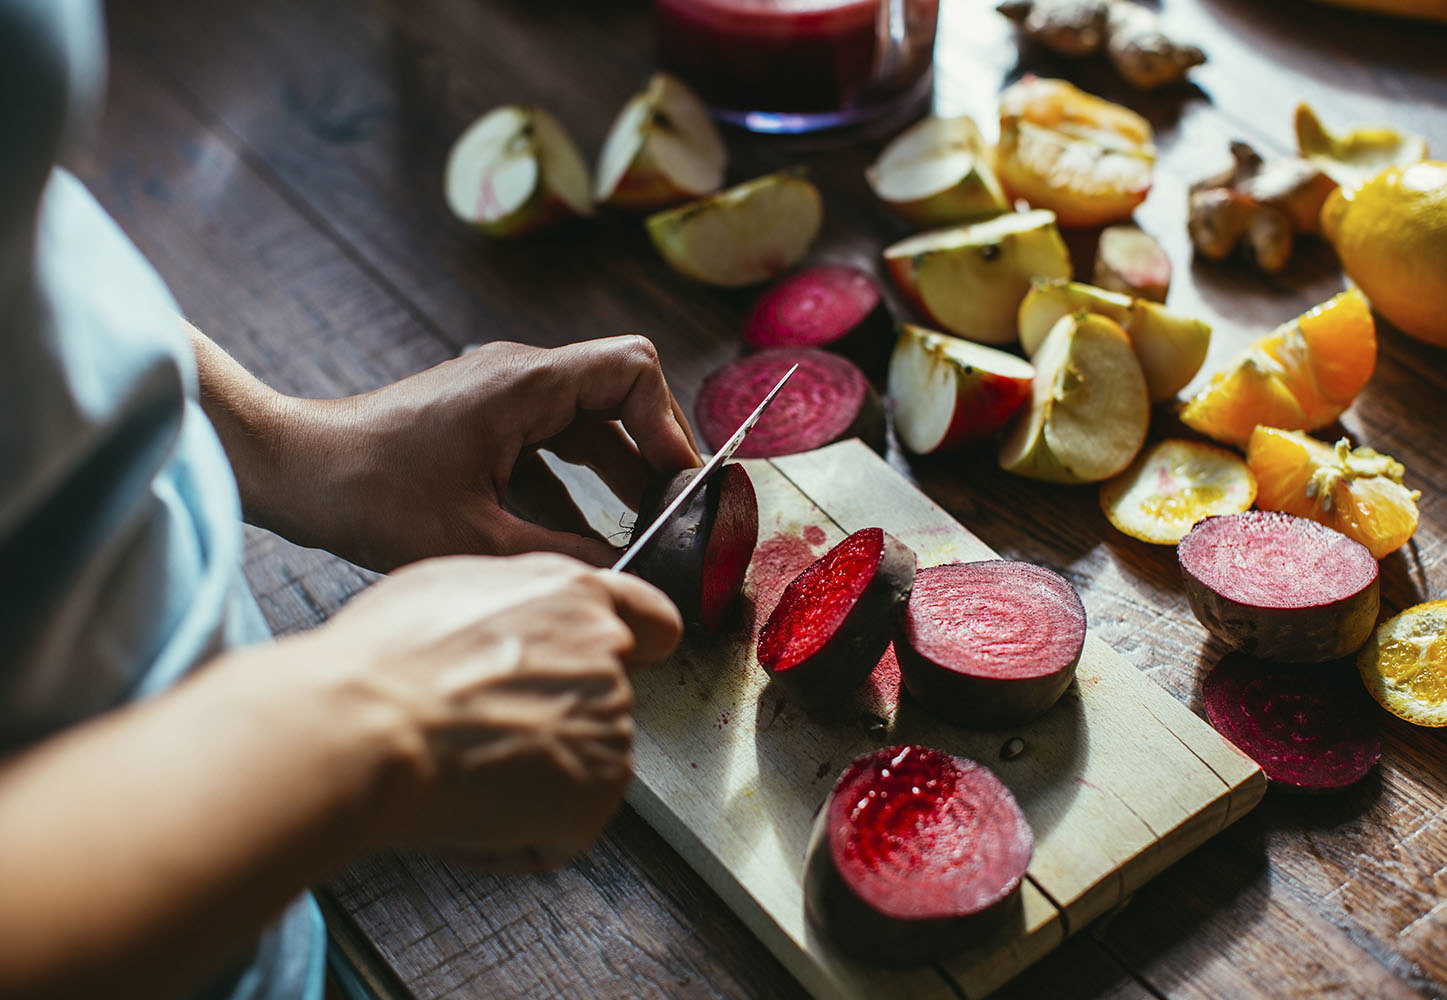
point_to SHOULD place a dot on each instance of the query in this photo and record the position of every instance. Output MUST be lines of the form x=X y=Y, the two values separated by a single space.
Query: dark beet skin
x=1310 y=729
x=699 y=557
x=990 y=644
x=916 y=855
x=1280 y=587
x=834 y=621
x=828 y=399
x=831 y=306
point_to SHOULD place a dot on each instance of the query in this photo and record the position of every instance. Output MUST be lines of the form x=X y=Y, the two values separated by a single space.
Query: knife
x=700 y=480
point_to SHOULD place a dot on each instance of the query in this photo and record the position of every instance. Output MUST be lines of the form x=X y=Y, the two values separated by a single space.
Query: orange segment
x=1357 y=491
x=1173 y=485
x=1301 y=376
x=1404 y=665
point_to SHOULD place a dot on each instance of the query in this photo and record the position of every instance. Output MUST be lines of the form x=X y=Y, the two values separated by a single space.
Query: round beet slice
x=915 y=855
x=991 y=643
x=829 y=306
x=1307 y=729
x=1280 y=587
x=699 y=557
x=828 y=399
x=834 y=621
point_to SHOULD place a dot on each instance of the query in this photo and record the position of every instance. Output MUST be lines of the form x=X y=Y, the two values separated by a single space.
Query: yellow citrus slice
x=1173 y=485
x=1301 y=376
x=1357 y=491
x=1404 y=665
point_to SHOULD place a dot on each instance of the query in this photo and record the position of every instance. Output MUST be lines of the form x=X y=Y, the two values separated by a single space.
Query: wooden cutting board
x=1118 y=780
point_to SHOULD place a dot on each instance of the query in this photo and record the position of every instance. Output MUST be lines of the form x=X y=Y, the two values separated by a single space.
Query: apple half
x=948 y=392
x=515 y=171
x=937 y=172
x=1170 y=347
x=661 y=150
x=1088 y=406
x=744 y=234
x=971 y=279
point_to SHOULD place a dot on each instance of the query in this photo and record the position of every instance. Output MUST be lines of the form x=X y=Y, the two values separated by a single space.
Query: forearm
x=141 y=851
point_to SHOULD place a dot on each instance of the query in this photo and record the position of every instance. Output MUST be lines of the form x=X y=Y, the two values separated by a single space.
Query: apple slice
x=1088 y=406
x=743 y=235
x=515 y=171
x=937 y=172
x=1170 y=347
x=948 y=392
x=1130 y=261
x=662 y=149
x=970 y=279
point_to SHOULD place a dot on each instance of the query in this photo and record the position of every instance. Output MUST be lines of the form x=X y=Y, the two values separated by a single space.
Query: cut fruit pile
x=1302 y=725
x=1357 y=491
x=1300 y=377
x=1174 y=485
x=1404 y=665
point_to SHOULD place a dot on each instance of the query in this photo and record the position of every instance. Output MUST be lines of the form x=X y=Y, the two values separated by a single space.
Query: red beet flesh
x=701 y=554
x=915 y=855
x=828 y=306
x=1280 y=587
x=991 y=643
x=834 y=621
x=1306 y=728
x=828 y=399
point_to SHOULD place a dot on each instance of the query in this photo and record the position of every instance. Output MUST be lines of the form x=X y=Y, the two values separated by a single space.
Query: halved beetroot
x=699 y=557
x=915 y=855
x=991 y=643
x=833 y=622
x=828 y=399
x=1307 y=728
x=1280 y=587
x=829 y=306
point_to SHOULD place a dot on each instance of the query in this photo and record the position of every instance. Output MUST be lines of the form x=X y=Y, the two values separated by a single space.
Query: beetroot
x=828 y=399
x=991 y=643
x=833 y=622
x=1307 y=728
x=915 y=855
x=1280 y=587
x=829 y=306
x=699 y=557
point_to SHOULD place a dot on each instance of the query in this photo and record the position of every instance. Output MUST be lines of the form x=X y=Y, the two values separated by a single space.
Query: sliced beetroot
x=991 y=643
x=1306 y=727
x=828 y=399
x=834 y=621
x=701 y=554
x=1280 y=587
x=830 y=306
x=915 y=855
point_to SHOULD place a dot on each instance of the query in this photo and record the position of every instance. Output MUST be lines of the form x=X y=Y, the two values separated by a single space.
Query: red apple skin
x=984 y=403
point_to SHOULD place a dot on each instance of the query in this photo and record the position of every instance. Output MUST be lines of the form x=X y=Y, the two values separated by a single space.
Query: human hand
x=508 y=680
x=423 y=467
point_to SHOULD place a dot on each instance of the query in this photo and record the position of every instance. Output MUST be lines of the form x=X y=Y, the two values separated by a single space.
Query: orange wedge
x=1357 y=491
x=1301 y=376
x=1404 y=665
x=1173 y=485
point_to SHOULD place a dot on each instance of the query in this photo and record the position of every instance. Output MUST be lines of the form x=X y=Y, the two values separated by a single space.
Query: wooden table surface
x=280 y=161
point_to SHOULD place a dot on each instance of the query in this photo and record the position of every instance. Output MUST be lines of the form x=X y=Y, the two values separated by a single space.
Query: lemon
x=1391 y=235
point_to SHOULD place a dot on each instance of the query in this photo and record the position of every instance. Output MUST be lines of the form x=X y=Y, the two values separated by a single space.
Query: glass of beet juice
x=800 y=65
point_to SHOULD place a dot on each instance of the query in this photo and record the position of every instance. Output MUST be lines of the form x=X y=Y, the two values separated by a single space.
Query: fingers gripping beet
x=835 y=619
x=828 y=399
x=700 y=555
x=991 y=643
x=829 y=306
x=1280 y=587
x=1304 y=727
x=915 y=855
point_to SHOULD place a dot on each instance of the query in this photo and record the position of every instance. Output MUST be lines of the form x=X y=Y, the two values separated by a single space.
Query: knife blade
x=699 y=481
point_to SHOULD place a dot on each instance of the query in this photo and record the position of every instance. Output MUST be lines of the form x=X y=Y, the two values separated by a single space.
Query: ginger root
x=1130 y=34
x=1258 y=205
